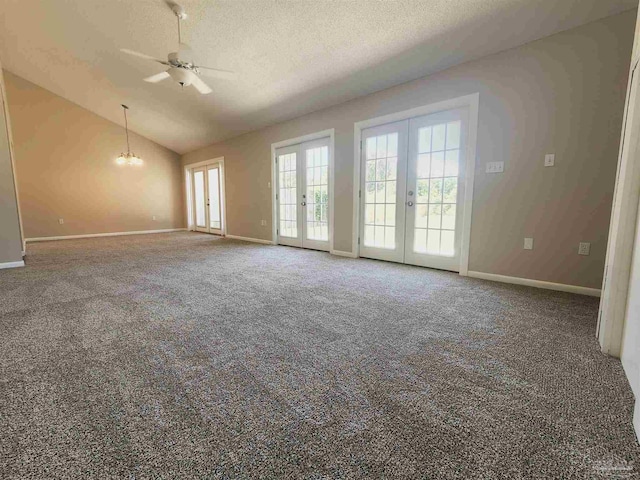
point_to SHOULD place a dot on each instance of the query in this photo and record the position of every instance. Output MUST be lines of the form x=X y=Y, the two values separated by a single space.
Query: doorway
x=207 y=197
x=303 y=209
x=415 y=187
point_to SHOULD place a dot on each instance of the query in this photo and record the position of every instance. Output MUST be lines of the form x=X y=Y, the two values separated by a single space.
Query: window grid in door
x=317 y=165
x=198 y=180
x=381 y=171
x=288 y=195
x=437 y=189
x=215 y=221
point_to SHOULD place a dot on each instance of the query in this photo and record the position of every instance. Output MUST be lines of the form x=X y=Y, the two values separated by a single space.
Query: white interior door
x=435 y=179
x=315 y=201
x=412 y=190
x=214 y=182
x=200 y=207
x=208 y=198
x=289 y=196
x=384 y=173
x=302 y=195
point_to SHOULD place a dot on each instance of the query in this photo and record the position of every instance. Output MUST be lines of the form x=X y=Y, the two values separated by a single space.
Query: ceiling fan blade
x=200 y=85
x=217 y=73
x=157 y=77
x=142 y=55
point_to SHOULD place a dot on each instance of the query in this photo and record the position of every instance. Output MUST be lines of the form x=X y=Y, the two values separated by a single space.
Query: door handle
x=410 y=203
x=304 y=204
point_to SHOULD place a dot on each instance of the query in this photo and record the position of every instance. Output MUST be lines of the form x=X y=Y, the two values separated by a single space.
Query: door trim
x=622 y=229
x=472 y=102
x=188 y=172
x=274 y=173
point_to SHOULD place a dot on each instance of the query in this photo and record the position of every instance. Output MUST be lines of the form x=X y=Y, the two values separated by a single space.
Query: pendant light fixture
x=128 y=158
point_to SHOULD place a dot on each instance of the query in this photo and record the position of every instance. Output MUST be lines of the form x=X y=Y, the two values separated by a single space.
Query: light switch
x=494 y=167
x=61 y=221
x=549 y=159
x=528 y=243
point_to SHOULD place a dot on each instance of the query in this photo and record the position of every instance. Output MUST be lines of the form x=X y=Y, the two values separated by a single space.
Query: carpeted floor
x=187 y=356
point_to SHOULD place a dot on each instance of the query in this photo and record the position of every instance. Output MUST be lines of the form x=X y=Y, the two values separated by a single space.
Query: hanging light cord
x=126 y=127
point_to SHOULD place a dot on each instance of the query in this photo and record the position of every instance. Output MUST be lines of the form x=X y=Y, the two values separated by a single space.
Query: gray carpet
x=187 y=356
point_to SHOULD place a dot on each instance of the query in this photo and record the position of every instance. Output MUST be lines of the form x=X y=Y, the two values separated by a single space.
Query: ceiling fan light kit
x=181 y=67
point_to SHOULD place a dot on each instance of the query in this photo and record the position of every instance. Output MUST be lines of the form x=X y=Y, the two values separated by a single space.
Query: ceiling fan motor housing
x=182 y=76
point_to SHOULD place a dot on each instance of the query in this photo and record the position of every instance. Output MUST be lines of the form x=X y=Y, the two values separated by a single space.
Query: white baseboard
x=249 y=239
x=12 y=264
x=111 y=234
x=561 y=287
x=340 y=253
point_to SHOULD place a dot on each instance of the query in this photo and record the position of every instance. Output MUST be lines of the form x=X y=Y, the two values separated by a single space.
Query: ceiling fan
x=180 y=63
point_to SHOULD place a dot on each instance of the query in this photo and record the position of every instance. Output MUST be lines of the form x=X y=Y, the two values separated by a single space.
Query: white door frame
x=274 y=173
x=622 y=228
x=472 y=102
x=188 y=172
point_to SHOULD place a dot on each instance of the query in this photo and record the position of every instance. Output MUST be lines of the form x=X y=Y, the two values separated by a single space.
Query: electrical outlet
x=584 y=248
x=154 y=217
x=61 y=221
x=268 y=184
x=495 y=167
x=263 y=223
x=549 y=159
x=528 y=243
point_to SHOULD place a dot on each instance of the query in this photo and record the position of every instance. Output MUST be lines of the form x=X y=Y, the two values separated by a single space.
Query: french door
x=207 y=198
x=302 y=195
x=412 y=190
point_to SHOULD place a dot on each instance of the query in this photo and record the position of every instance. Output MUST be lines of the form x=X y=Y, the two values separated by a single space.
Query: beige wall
x=562 y=94
x=10 y=235
x=65 y=162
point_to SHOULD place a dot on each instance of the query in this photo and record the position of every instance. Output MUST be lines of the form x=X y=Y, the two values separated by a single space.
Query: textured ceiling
x=292 y=56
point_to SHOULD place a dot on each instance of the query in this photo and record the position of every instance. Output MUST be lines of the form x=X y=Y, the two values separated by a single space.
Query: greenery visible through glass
x=287 y=195
x=381 y=171
x=317 y=195
x=437 y=171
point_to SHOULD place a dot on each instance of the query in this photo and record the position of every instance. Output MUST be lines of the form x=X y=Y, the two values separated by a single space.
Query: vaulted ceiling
x=292 y=56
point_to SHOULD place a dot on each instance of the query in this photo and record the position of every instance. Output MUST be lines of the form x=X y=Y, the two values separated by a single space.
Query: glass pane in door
x=215 y=217
x=437 y=189
x=381 y=170
x=198 y=181
x=317 y=199
x=287 y=195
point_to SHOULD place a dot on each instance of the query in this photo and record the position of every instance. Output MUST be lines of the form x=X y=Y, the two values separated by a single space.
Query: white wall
x=563 y=94
x=631 y=338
